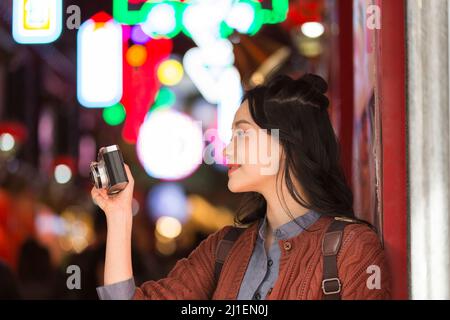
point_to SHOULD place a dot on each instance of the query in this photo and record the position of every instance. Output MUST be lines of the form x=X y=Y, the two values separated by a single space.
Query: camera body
x=109 y=171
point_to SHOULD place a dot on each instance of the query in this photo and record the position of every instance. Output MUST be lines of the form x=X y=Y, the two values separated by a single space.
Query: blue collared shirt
x=262 y=270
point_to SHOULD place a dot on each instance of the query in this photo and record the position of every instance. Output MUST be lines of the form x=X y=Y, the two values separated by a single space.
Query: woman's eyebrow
x=239 y=122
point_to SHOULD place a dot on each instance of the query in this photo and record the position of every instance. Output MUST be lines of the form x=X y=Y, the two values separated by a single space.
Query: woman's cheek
x=246 y=179
x=240 y=180
x=250 y=150
x=250 y=176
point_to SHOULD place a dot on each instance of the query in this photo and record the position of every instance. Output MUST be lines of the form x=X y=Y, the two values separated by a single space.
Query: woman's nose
x=225 y=154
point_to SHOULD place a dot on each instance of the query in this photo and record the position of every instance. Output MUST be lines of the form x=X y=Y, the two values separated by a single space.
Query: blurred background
x=163 y=79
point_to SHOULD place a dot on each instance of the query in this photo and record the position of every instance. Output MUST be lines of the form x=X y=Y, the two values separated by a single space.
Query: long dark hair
x=298 y=109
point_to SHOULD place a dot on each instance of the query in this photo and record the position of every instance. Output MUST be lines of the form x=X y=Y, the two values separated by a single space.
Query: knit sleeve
x=191 y=278
x=362 y=265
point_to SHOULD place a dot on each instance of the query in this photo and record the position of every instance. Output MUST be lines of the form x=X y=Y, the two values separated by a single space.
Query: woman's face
x=253 y=156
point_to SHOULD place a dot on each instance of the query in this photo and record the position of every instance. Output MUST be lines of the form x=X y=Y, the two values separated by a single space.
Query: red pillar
x=393 y=119
x=345 y=85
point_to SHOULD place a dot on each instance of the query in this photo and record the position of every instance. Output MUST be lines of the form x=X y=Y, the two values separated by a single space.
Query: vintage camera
x=109 y=172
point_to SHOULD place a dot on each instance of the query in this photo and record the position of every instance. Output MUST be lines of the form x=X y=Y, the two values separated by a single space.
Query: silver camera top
x=111 y=148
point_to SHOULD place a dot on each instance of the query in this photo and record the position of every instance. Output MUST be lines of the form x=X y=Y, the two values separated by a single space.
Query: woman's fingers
x=98 y=197
x=129 y=175
x=129 y=188
x=118 y=202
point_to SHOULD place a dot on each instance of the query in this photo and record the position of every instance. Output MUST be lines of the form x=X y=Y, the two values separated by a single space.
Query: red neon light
x=101 y=17
x=16 y=129
x=304 y=11
x=141 y=84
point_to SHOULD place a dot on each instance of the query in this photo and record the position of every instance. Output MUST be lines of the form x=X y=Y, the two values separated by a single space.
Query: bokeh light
x=312 y=29
x=63 y=173
x=136 y=55
x=168 y=227
x=36 y=22
x=99 y=64
x=165 y=98
x=114 y=115
x=170 y=72
x=161 y=20
x=138 y=35
x=168 y=199
x=170 y=144
x=7 y=142
x=241 y=17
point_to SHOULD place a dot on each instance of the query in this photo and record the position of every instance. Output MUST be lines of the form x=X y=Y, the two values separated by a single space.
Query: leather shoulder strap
x=331 y=243
x=224 y=248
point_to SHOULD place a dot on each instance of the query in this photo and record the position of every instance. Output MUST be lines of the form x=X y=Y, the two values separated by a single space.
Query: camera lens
x=98 y=175
x=94 y=175
x=91 y=176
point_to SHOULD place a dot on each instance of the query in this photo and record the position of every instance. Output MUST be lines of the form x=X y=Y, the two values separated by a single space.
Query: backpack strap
x=224 y=248
x=331 y=243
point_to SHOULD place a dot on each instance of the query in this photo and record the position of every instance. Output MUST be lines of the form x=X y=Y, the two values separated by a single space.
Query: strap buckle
x=345 y=219
x=325 y=289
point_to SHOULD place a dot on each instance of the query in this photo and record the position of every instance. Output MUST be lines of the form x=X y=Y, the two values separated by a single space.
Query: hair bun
x=316 y=81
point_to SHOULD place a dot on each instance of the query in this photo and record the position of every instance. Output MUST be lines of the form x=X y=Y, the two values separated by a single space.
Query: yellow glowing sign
x=37 y=21
x=36 y=15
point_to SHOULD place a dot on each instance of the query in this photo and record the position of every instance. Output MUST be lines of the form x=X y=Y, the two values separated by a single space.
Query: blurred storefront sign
x=36 y=21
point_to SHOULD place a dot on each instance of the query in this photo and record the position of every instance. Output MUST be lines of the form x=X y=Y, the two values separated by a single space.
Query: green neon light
x=278 y=13
x=178 y=8
x=165 y=98
x=122 y=14
x=114 y=115
x=225 y=30
x=258 y=19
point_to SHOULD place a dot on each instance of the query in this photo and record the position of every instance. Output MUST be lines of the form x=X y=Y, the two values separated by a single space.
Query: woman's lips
x=232 y=168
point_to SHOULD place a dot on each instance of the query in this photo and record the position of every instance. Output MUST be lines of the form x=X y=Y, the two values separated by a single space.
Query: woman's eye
x=240 y=133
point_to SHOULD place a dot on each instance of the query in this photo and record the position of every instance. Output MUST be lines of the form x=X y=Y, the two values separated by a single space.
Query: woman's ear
x=282 y=161
x=282 y=155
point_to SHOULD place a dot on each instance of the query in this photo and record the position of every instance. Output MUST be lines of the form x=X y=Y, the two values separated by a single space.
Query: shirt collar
x=291 y=228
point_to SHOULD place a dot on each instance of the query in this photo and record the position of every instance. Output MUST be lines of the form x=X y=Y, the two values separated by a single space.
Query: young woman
x=287 y=211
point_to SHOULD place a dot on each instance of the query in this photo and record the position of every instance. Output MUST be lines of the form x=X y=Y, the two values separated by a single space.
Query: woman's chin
x=235 y=187
x=232 y=187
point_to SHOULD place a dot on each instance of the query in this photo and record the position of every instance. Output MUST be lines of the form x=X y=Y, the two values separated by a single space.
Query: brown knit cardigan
x=300 y=273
